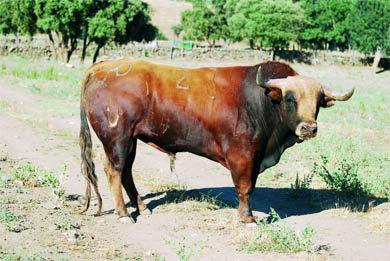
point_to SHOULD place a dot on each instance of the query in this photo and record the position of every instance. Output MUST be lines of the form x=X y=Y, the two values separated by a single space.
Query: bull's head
x=300 y=98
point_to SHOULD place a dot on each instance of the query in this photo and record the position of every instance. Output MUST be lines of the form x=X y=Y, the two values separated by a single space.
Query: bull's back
x=176 y=108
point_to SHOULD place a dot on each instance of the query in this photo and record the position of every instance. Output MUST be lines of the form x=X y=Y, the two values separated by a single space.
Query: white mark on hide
x=113 y=124
x=108 y=109
x=213 y=97
x=147 y=88
x=116 y=70
x=165 y=129
x=178 y=86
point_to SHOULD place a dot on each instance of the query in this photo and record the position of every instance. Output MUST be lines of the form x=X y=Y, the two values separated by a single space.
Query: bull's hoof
x=145 y=212
x=127 y=219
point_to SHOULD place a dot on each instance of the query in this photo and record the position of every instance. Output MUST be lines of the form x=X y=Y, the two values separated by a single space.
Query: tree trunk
x=85 y=45
x=61 y=44
x=96 y=54
x=314 y=54
x=71 y=49
x=377 y=58
x=53 y=45
x=273 y=54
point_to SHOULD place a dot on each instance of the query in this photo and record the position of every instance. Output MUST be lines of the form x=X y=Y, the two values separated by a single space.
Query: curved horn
x=335 y=96
x=259 y=80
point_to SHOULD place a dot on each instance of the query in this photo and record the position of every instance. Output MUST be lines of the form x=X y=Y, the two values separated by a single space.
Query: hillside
x=166 y=14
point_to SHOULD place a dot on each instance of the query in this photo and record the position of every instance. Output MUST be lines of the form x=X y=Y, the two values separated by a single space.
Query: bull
x=243 y=117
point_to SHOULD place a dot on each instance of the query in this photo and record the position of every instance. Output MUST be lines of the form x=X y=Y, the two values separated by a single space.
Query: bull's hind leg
x=128 y=182
x=117 y=153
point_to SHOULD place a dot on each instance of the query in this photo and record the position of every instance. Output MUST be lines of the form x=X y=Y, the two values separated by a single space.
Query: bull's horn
x=335 y=96
x=259 y=79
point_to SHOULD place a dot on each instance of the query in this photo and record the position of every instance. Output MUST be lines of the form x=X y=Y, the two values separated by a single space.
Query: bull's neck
x=268 y=127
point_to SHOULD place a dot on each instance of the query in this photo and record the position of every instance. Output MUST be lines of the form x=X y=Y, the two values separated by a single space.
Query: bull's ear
x=331 y=95
x=273 y=88
x=327 y=102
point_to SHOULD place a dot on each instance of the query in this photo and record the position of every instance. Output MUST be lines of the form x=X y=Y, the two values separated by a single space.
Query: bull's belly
x=173 y=140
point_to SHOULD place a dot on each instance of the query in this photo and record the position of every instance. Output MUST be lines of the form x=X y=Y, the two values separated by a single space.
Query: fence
x=41 y=48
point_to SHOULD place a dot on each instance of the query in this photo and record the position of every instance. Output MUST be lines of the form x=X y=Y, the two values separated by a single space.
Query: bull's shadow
x=287 y=202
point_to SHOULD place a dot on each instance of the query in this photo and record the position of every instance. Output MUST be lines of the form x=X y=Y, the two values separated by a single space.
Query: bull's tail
x=87 y=165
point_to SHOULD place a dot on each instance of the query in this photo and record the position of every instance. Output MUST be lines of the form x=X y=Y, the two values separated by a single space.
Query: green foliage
x=6 y=24
x=186 y=252
x=33 y=176
x=344 y=176
x=121 y=22
x=277 y=236
x=369 y=24
x=268 y=23
x=326 y=23
x=202 y=23
x=24 y=17
x=27 y=174
x=8 y=217
x=300 y=187
x=177 y=29
x=61 y=21
x=161 y=36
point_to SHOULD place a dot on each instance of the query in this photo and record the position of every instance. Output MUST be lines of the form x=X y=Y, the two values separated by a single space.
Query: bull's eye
x=290 y=100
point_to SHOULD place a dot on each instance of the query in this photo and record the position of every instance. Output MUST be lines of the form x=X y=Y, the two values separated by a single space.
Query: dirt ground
x=53 y=230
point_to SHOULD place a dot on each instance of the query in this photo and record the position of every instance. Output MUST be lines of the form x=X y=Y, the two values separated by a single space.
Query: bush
x=301 y=186
x=343 y=176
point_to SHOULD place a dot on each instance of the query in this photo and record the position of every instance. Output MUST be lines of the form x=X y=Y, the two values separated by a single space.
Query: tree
x=326 y=23
x=121 y=21
x=369 y=24
x=268 y=23
x=89 y=9
x=61 y=21
x=6 y=25
x=23 y=16
x=17 y=17
x=177 y=29
x=201 y=23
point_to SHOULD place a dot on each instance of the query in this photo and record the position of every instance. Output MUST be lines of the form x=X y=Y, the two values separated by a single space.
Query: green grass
x=33 y=176
x=278 y=237
x=7 y=217
x=44 y=77
x=186 y=250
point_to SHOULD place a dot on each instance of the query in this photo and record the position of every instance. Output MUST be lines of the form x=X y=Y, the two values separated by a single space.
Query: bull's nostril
x=307 y=128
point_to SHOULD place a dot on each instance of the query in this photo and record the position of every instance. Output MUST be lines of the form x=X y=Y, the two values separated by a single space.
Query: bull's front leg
x=241 y=168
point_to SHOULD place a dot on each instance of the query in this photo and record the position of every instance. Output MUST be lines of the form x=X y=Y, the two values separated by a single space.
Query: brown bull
x=242 y=117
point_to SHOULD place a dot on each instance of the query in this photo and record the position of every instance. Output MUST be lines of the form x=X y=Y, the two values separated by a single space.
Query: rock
x=126 y=220
x=252 y=224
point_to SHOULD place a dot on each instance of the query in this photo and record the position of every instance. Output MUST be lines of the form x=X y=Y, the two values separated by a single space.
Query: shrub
x=301 y=186
x=343 y=176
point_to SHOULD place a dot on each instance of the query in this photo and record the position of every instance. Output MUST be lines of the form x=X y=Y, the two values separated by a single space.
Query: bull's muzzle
x=306 y=131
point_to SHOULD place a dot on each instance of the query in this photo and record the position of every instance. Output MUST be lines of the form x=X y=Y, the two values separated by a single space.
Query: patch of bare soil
x=167 y=13
x=194 y=226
